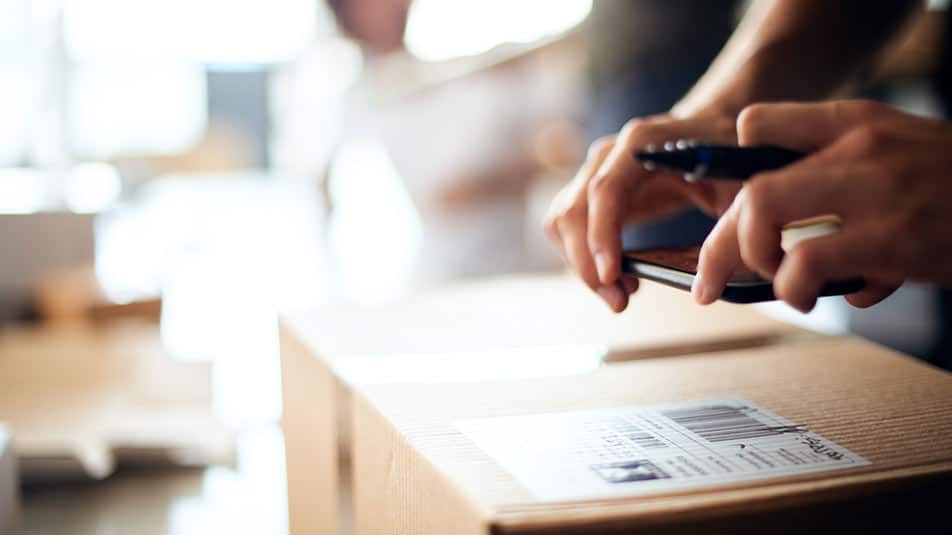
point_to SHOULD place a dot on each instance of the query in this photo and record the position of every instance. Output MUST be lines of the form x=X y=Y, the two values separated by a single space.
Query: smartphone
x=677 y=267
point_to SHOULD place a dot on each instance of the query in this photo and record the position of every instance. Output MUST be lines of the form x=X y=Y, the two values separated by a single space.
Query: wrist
x=750 y=83
x=713 y=111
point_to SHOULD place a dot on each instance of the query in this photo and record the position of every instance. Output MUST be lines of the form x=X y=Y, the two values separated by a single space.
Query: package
x=9 y=489
x=834 y=435
x=502 y=328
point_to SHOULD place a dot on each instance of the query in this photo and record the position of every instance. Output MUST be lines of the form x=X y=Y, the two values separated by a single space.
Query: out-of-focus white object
x=210 y=31
x=375 y=238
x=224 y=251
x=136 y=107
x=92 y=187
x=795 y=233
x=20 y=84
x=9 y=489
x=22 y=190
x=444 y=29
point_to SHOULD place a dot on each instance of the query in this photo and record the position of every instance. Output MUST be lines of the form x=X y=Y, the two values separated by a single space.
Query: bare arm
x=796 y=50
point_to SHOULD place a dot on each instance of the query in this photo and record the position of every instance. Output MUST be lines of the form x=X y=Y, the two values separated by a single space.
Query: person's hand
x=612 y=189
x=885 y=174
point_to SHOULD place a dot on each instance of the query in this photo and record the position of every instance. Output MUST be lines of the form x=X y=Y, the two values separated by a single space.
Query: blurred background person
x=458 y=133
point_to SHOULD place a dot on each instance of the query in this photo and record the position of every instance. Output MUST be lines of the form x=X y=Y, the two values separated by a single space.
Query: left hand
x=886 y=174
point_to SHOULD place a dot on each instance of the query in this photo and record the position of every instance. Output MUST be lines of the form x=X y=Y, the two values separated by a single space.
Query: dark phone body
x=678 y=268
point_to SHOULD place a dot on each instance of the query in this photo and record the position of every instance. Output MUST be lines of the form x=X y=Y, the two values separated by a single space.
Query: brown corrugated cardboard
x=9 y=489
x=415 y=472
x=531 y=312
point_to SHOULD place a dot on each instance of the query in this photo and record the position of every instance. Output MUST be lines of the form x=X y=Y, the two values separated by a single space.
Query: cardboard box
x=497 y=328
x=9 y=488
x=417 y=472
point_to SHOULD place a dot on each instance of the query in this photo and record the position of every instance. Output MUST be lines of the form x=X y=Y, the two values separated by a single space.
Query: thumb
x=803 y=126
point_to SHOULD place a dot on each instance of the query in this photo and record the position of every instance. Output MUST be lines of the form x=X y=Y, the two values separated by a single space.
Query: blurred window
x=204 y=31
x=96 y=79
x=18 y=80
x=139 y=108
x=444 y=29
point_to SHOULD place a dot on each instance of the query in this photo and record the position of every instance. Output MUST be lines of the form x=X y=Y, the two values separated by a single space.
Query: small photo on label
x=629 y=471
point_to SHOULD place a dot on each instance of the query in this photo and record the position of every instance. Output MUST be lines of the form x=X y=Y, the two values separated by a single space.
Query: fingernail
x=602 y=264
x=611 y=295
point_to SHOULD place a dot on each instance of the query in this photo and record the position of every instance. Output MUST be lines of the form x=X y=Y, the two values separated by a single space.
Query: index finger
x=608 y=193
x=803 y=126
x=620 y=178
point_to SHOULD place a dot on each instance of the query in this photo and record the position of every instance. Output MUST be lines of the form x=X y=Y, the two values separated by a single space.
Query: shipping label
x=642 y=450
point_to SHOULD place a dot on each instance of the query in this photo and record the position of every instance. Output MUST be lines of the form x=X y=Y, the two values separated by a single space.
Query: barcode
x=636 y=434
x=720 y=423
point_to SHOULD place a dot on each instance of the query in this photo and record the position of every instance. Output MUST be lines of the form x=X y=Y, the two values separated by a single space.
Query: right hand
x=612 y=189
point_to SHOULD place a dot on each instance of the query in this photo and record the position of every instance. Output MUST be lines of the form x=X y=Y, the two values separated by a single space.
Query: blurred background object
x=9 y=484
x=70 y=429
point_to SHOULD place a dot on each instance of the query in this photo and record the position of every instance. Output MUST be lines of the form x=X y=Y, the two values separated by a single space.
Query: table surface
x=250 y=497
x=132 y=389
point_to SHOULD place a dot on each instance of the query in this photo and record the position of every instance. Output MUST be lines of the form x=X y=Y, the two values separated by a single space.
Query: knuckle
x=750 y=119
x=733 y=211
x=866 y=139
x=890 y=246
x=863 y=107
x=573 y=214
x=740 y=198
x=750 y=244
x=756 y=197
x=884 y=185
x=636 y=130
x=600 y=147
x=894 y=178
x=746 y=233
x=600 y=184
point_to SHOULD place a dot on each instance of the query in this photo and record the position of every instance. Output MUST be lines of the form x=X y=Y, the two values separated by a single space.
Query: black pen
x=702 y=160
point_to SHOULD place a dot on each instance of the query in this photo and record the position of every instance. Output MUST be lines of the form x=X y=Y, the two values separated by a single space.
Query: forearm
x=795 y=50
